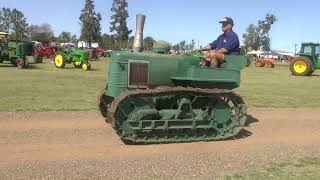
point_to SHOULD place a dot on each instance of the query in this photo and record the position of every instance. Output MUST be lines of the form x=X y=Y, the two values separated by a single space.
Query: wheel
x=301 y=66
x=20 y=63
x=26 y=63
x=248 y=62
x=311 y=72
x=99 y=55
x=269 y=64
x=59 y=60
x=86 y=66
x=14 y=62
x=259 y=63
x=37 y=58
x=77 y=64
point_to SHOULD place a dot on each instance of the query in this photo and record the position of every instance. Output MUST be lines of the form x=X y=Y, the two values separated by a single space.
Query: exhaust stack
x=138 y=38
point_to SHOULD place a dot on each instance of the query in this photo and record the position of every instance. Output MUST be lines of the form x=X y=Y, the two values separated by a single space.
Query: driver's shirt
x=229 y=41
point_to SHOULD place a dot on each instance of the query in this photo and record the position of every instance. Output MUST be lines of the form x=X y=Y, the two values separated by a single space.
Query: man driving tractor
x=226 y=44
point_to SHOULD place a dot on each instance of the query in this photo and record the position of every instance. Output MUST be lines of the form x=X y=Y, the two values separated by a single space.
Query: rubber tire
x=308 y=62
x=14 y=62
x=99 y=55
x=88 y=66
x=269 y=64
x=311 y=72
x=37 y=59
x=63 y=59
x=26 y=63
x=20 y=63
x=76 y=66
x=248 y=62
x=259 y=63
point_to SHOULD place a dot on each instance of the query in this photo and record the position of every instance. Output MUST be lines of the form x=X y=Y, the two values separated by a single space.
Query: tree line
x=13 y=21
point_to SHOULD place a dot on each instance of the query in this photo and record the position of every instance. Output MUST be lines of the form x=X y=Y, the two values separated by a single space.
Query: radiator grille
x=138 y=74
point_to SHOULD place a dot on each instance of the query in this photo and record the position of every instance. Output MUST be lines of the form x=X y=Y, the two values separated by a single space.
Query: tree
x=264 y=27
x=176 y=47
x=107 y=41
x=42 y=33
x=64 y=37
x=5 y=19
x=148 y=42
x=119 y=21
x=74 y=38
x=19 y=23
x=257 y=37
x=191 y=45
x=90 y=23
x=130 y=42
x=251 y=38
x=184 y=46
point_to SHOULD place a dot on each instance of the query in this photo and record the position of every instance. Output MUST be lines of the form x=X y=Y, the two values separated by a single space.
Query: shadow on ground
x=243 y=132
x=250 y=120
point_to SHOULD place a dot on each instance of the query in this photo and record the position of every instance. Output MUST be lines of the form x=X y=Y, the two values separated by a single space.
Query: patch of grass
x=306 y=168
x=276 y=87
x=44 y=87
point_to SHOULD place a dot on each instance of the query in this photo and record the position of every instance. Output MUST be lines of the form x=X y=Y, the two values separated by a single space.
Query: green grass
x=276 y=87
x=307 y=168
x=44 y=87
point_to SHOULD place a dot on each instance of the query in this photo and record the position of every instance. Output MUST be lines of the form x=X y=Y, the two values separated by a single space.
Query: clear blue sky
x=176 y=20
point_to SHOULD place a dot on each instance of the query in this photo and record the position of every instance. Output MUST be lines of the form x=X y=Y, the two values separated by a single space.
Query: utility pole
x=295 y=49
x=192 y=45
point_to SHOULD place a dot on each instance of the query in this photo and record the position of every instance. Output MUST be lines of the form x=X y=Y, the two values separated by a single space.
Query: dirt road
x=74 y=145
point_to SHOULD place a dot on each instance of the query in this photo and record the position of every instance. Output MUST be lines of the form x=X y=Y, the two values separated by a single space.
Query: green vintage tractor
x=67 y=55
x=14 y=52
x=164 y=98
x=307 y=61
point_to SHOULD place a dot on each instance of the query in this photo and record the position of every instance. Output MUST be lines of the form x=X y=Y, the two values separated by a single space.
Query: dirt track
x=80 y=144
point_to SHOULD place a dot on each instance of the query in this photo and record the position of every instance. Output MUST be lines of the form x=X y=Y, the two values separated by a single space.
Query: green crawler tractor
x=14 y=52
x=165 y=98
x=67 y=55
x=307 y=61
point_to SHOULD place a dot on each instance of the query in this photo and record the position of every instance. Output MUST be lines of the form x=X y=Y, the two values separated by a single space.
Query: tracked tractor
x=14 y=52
x=163 y=98
x=307 y=61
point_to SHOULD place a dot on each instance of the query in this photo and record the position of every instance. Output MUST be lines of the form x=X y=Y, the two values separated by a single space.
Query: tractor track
x=55 y=145
x=164 y=90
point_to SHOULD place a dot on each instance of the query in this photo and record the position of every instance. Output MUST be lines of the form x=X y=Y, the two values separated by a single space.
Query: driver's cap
x=227 y=20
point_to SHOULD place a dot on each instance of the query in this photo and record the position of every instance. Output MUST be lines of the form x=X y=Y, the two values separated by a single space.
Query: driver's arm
x=222 y=50
x=206 y=48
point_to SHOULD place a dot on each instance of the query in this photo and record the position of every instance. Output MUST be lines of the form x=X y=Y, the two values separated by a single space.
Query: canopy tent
x=270 y=53
x=258 y=52
x=287 y=54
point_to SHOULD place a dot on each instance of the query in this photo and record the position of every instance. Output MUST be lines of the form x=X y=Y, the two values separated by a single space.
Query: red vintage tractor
x=40 y=51
x=100 y=51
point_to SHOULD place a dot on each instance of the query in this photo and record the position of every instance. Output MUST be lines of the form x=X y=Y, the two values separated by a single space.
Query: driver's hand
x=207 y=57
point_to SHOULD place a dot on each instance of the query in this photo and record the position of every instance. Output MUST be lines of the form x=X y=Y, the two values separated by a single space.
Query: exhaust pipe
x=138 y=38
